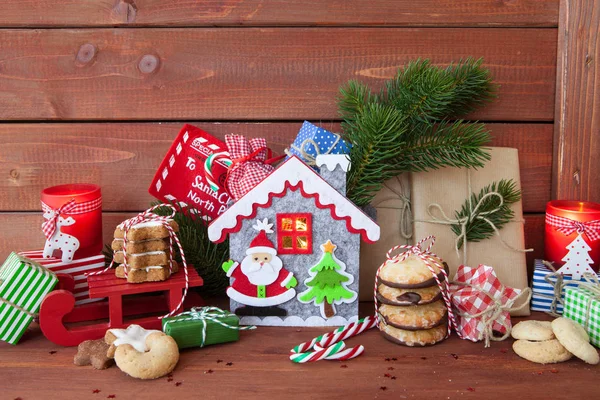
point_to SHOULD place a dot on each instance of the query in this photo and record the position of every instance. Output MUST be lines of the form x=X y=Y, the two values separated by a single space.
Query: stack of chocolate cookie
x=147 y=252
x=412 y=311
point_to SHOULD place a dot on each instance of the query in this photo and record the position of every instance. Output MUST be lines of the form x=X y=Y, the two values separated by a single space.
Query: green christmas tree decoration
x=327 y=284
x=408 y=125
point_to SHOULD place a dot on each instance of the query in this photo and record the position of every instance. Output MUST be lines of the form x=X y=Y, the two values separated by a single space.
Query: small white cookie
x=575 y=339
x=546 y=352
x=533 y=330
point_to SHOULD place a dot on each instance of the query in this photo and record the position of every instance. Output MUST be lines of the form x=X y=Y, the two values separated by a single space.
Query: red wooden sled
x=58 y=307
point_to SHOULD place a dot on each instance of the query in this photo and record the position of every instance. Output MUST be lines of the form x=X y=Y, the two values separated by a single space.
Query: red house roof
x=293 y=175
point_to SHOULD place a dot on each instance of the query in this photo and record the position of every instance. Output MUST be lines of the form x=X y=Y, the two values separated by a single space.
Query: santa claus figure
x=260 y=281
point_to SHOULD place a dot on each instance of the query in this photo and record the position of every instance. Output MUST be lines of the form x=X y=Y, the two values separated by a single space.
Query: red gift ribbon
x=567 y=226
x=428 y=258
x=70 y=207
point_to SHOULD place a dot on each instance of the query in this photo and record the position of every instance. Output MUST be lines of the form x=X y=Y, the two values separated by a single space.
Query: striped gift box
x=543 y=292
x=76 y=268
x=583 y=307
x=23 y=285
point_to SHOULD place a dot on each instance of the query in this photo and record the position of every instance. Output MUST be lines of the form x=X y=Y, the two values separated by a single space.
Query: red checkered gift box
x=478 y=295
x=76 y=268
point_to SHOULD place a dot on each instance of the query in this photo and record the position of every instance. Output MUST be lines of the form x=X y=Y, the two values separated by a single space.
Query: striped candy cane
x=330 y=346
x=337 y=352
x=429 y=259
x=224 y=158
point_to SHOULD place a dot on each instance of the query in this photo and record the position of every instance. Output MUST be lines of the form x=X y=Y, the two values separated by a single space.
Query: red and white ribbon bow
x=568 y=226
x=70 y=207
x=148 y=216
x=429 y=259
x=249 y=163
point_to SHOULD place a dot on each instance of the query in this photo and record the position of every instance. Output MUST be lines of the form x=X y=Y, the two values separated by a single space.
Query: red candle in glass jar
x=556 y=241
x=73 y=220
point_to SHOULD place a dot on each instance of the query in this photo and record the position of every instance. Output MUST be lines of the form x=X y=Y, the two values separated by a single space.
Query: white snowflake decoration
x=263 y=225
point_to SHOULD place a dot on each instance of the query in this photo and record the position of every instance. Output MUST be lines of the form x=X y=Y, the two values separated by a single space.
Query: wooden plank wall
x=95 y=91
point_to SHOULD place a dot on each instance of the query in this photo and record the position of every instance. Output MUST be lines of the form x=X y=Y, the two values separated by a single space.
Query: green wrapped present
x=582 y=305
x=203 y=326
x=23 y=285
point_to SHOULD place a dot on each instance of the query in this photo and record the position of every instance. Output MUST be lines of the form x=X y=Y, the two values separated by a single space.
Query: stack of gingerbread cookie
x=412 y=311
x=147 y=252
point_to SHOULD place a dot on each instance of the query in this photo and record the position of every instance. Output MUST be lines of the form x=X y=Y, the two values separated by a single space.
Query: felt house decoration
x=294 y=246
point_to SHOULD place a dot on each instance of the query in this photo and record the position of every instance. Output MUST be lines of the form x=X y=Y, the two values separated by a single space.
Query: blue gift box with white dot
x=313 y=140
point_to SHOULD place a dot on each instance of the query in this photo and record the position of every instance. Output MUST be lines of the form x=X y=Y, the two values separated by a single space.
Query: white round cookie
x=545 y=352
x=575 y=339
x=533 y=330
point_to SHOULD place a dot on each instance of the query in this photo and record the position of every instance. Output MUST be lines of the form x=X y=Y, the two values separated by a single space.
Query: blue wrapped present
x=312 y=141
x=543 y=297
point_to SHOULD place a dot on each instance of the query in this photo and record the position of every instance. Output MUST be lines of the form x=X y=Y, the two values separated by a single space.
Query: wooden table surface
x=258 y=367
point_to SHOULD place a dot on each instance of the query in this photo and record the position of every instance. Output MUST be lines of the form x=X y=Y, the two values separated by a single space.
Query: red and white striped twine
x=428 y=258
x=147 y=216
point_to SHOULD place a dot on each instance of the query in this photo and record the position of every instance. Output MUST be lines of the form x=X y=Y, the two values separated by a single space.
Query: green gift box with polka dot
x=583 y=307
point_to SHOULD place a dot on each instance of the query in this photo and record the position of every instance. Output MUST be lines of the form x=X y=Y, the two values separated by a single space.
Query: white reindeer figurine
x=62 y=241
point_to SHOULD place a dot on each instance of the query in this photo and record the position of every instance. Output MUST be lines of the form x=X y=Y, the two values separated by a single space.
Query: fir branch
x=428 y=94
x=375 y=134
x=491 y=208
x=354 y=97
x=447 y=144
x=403 y=128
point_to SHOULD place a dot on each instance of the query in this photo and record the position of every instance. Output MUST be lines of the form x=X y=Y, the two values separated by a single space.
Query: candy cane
x=348 y=331
x=330 y=346
x=225 y=158
x=336 y=352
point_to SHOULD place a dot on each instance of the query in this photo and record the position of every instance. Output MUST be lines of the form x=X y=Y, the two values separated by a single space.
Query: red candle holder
x=566 y=221
x=73 y=221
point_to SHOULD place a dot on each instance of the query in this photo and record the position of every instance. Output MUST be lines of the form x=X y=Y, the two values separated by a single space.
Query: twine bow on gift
x=306 y=156
x=474 y=214
x=429 y=259
x=490 y=315
x=403 y=194
x=248 y=163
x=70 y=207
x=557 y=285
x=204 y=314
x=150 y=216
x=567 y=226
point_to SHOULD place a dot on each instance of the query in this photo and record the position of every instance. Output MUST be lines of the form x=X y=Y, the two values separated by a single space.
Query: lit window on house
x=294 y=233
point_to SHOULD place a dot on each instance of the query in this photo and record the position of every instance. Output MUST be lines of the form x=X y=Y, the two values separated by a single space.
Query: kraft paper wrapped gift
x=23 y=286
x=449 y=188
x=392 y=204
